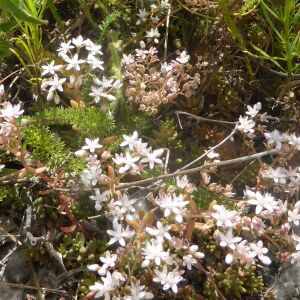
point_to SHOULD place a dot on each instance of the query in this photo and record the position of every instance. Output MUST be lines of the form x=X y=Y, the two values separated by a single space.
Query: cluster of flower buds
x=152 y=84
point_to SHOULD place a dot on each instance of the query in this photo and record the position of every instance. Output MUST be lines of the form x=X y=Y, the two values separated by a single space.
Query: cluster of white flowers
x=72 y=55
x=247 y=124
x=154 y=14
x=239 y=234
x=9 y=113
x=137 y=155
x=167 y=254
x=238 y=249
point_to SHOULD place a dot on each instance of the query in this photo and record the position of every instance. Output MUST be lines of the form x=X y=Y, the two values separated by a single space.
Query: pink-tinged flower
x=153 y=251
x=130 y=140
x=225 y=217
x=108 y=261
x=294 y=216
x=257 y=224
x=127 y=59
x=172 y=204
x=246 y=125
x=79 y=41
x=73 y=62
x=275 y=137
x=259 y=250
x=137 y=292
x=64 y=48
x=160 y=232
x=6 y=129
x=295 y=257
x=266 y=201
x=252 y=111
x=228 y=239
x=128 y=161
x=10 y=111
x=294 y=141
x=91 y=175
x=119 y=234
x=243 y=253
x=182 y=182
x=189 y=261
x=183 y=58
x=282 y=207
x=51 y=68
x=296 y=238
x=126 y=204
x=92 y=145
x=168 y=279
x=2 y=92
x=152 y=157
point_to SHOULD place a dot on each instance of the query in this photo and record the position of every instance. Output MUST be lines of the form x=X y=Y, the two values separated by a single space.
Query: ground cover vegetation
x=149 y=149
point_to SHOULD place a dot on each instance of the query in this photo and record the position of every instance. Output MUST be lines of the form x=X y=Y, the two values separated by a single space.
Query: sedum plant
x=150 y=230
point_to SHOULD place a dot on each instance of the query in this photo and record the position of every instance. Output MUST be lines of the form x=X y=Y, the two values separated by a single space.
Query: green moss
x=203 y=198
x=49 y=150
x=90 y=122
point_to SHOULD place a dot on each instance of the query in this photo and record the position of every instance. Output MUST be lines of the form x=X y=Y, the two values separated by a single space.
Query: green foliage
x=4 y=192
x=56 y=15
x=49 y=150
x=82 y=208
x=19 y=11
x=247 y=7
x=77 y=250
x=203 y=198
x=167 y=135
x=85 y=283
x=235 y=283
x=148 y=173
x=106 y=25
x=86 y=9
x=4 y=49
x=28 y=47
x=90 y=122
x=283 y=19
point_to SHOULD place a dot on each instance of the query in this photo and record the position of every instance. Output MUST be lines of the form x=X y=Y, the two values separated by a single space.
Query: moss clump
x=203 y=198
x=49 y=150
x=89 y=122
